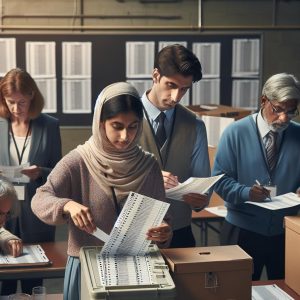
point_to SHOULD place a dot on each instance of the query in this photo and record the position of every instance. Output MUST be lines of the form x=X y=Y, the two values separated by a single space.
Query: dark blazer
x=45 y=152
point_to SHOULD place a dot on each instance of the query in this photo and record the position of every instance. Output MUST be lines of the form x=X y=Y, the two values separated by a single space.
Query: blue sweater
x=241 y=156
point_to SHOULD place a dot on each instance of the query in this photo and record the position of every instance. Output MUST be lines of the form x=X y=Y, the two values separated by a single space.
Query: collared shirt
x=200 y=162
x=264 y=129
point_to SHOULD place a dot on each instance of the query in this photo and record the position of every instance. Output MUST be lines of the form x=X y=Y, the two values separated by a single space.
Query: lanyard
x=20 y=156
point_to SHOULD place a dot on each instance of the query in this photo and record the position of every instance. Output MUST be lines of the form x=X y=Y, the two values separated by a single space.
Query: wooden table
x=57 y=254
x=49 y=297
x=281 y=284
x=204 y=219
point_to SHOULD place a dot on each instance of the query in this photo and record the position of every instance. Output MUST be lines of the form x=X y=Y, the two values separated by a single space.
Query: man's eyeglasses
x=279 y=111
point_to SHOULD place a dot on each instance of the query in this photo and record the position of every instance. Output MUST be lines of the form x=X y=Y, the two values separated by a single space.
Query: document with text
x=32 y=255
x=13 y=173
x=197 y=185
x=271 y=291
x=139 y=214
x=279 y=202
x=124 y=258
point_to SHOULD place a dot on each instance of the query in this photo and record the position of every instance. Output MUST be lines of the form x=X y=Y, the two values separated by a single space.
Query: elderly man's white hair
x=282 y=87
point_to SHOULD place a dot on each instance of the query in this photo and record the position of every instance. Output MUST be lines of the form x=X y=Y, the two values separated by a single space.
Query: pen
x=257 y=182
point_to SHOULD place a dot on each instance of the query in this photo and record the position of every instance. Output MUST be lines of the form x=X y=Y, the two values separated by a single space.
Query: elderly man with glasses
x=257 y=154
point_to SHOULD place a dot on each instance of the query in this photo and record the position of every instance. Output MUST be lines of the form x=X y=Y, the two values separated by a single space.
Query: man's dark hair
x=176 y=59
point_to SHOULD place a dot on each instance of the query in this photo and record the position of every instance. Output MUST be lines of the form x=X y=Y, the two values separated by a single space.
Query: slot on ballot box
x=118 y=284
x=292 y=258
x=210 y=273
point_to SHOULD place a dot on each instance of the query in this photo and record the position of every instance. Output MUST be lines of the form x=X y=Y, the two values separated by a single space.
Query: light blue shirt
x=200 y=160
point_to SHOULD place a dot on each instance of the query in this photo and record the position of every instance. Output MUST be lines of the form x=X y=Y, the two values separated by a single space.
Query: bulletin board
x=109 y=61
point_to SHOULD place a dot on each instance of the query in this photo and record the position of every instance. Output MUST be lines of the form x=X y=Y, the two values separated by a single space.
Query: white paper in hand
x=192 y=185
x=101 y=235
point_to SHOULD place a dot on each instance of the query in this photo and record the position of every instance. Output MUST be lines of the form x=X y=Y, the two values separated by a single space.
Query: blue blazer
x=45 y=152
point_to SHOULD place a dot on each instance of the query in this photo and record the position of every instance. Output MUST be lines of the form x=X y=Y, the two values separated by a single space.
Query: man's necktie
x=271 y=149
x=161 y=132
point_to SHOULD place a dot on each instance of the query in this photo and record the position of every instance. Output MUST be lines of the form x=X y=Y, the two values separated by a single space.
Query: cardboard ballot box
x=292 y=258
x=210 y=273
x=162 y=286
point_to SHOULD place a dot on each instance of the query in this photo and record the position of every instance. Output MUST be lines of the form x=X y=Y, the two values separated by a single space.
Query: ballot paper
x=101 y=235
x=192 y=185
x=271 y=291
x=13 y=173
x=139 y=214
x=124 y=258
x=279 y=202
x=32 y=255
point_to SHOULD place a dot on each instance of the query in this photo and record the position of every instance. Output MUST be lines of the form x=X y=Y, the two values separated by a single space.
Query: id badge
x=20 y=189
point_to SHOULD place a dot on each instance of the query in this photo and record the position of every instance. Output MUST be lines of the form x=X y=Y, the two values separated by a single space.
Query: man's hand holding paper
x=196 y=200
x=192 y=185
x=170 y=180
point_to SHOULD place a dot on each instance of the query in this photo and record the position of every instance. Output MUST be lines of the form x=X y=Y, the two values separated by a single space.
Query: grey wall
x=277 y=20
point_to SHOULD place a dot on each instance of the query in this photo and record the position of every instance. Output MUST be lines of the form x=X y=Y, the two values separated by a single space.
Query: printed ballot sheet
x=32 y=255
x=120 y=270
x=124 y=259
x=279 y=202
x=192 y=185
x=272 y=291
x=139 y=214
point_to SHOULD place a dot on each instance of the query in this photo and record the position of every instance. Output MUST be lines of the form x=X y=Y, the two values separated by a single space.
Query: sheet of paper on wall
x=124 y=259
x=32 y=255
x=215 y=127
x=13 y=173
x=271 y=291
x=279 y=202
x=192 y=185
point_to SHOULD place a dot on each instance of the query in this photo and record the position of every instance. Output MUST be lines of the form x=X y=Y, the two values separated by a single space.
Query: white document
x=139 y=214
x=218 y=210
x=272 y=291
x=192 y=185
x=279 y=202
x=124 y=270
x=31 y=254
x=124 y=259
x=13 y=173
x=101 y=235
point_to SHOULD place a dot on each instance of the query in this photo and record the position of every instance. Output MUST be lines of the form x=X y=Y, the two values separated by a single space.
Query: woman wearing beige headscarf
x=89 y=185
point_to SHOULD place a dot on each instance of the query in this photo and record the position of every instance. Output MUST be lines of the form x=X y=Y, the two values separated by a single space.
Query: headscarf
x=125 y=170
